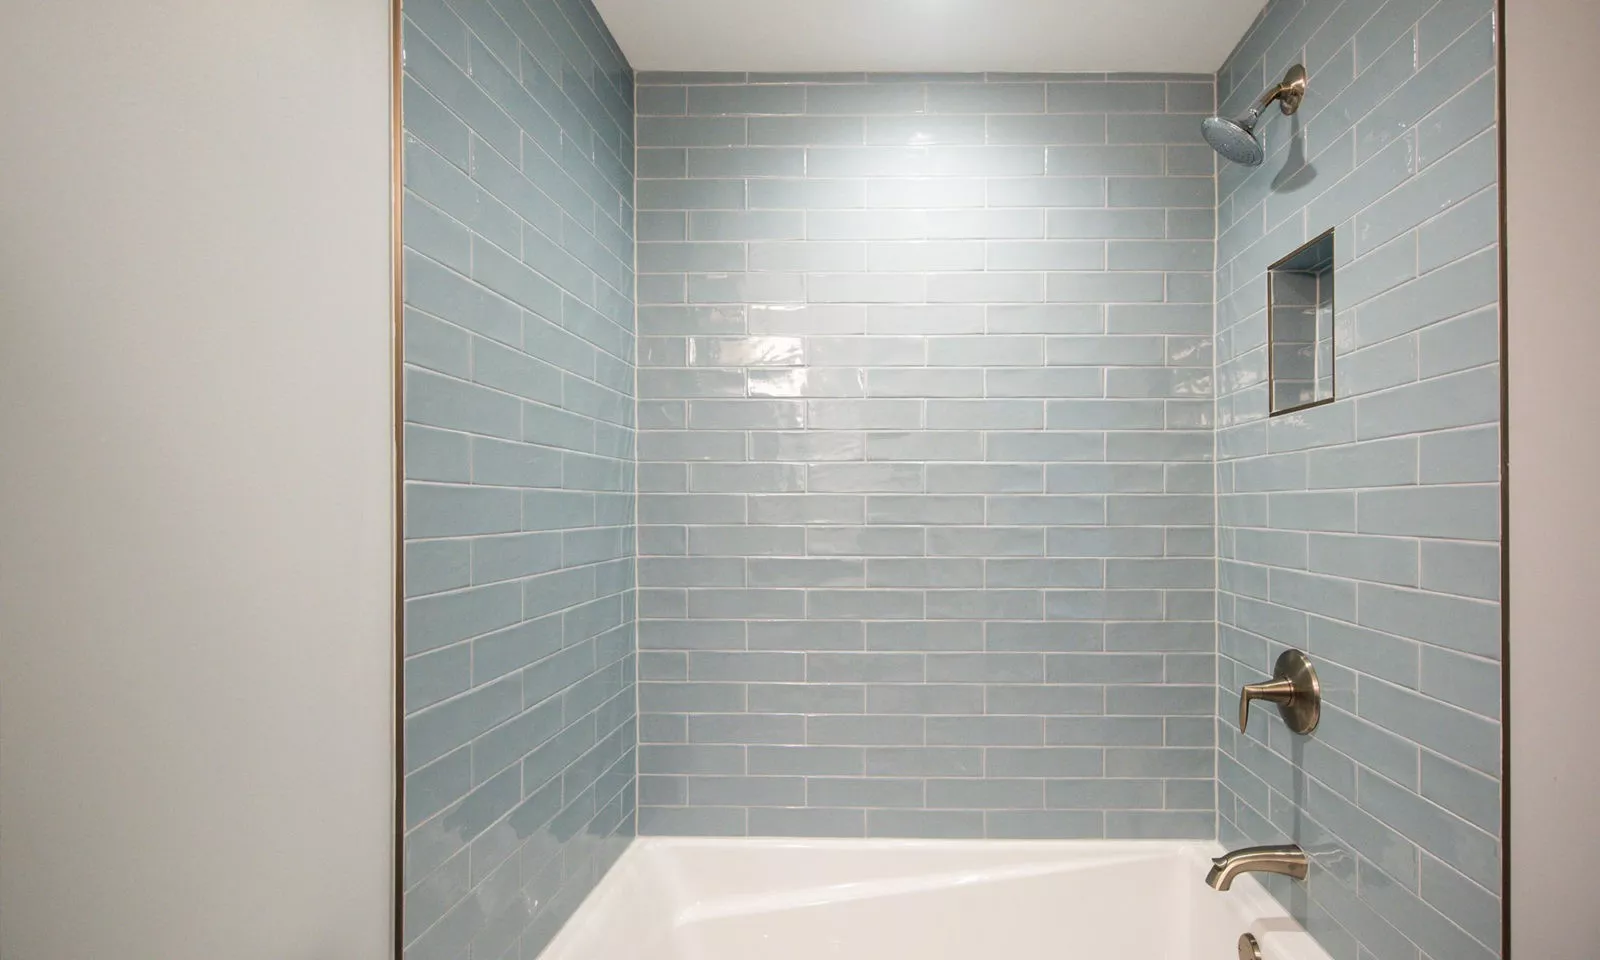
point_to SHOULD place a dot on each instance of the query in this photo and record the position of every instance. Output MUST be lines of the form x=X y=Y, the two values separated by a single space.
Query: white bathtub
x=708 y=899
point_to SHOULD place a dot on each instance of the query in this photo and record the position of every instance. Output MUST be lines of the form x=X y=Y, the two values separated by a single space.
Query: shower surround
x=950 y=523
x=519 y=617
x=1367 y=531
x=925 y=482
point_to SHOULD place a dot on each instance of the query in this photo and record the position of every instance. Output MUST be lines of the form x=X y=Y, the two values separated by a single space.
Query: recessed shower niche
x=1300 y=327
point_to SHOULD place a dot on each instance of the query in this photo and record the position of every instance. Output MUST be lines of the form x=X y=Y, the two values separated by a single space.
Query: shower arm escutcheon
x=1289 y=93
x=1293 y=687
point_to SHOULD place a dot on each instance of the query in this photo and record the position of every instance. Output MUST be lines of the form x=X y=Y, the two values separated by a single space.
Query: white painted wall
x=1553 y=206
x=195 y=474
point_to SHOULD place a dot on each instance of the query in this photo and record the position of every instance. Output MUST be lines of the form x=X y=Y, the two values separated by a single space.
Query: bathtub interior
x=704 y=899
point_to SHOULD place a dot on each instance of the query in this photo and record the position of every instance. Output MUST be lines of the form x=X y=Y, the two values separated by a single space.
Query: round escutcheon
x=1249 y=947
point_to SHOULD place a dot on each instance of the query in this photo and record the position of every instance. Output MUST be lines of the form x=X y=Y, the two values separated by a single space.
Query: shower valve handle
x=1293 y=687
x=1280 y=692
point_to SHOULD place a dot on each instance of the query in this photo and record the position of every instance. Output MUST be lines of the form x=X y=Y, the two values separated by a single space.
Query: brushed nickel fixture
x=1236 y=139
x=1249 y=947
x=1293 y=687
x=1286 y=859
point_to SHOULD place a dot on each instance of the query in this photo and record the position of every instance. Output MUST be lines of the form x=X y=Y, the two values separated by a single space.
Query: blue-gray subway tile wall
x=954 y=473
x=520 y=704
x=1367 y=531
x=925 y=484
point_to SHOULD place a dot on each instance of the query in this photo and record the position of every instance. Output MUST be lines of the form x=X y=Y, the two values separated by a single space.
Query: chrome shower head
x=1236 y=139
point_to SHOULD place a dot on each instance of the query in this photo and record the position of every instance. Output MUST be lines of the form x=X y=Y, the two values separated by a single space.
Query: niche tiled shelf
x=1300 y=327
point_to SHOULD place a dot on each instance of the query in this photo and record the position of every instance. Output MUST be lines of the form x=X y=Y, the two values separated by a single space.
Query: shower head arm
x=1289 y=93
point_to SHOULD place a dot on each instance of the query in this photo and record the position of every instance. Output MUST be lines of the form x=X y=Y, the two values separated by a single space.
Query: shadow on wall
x=1297 y=172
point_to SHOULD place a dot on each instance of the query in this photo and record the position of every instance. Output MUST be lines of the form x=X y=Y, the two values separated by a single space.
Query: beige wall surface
x=1553 y=206
x=195 y=480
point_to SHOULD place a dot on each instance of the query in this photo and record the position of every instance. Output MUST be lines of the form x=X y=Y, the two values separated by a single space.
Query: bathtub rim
x=1259 y=910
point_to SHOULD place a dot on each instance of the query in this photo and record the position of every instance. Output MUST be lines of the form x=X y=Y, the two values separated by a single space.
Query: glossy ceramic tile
x=520 y=727
x=935 y=289
x=1367 y=531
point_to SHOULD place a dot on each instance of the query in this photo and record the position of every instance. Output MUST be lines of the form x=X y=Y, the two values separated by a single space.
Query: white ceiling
x=1189 y=36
